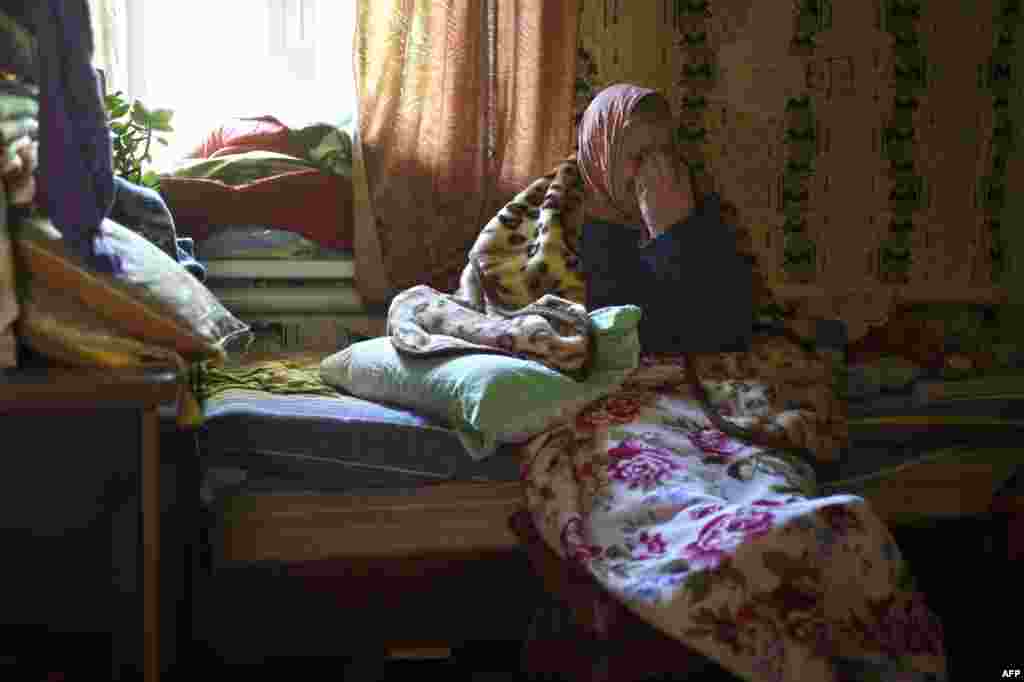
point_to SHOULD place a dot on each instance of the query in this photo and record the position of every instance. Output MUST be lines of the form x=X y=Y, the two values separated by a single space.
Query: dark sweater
x=693 y=286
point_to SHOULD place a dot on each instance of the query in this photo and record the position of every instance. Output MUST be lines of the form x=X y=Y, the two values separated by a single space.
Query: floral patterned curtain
x=461 y=103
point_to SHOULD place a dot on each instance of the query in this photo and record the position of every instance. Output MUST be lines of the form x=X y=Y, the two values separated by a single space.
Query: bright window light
x=212 y=60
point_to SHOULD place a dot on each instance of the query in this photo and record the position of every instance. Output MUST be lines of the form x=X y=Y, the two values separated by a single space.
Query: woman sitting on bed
x=693 y=286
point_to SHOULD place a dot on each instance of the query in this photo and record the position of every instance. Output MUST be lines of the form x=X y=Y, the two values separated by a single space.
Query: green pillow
x=489 y=399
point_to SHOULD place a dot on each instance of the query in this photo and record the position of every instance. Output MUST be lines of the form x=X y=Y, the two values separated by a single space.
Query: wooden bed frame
x=463 y=518
x=447 y=518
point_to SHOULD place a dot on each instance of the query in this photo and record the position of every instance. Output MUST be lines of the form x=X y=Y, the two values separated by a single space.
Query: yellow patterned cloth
x=530 y=248
x=289 y=375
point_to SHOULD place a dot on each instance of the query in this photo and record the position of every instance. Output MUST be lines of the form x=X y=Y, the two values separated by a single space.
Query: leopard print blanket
x=522 y=291
x=531 y=248
x=553 y=331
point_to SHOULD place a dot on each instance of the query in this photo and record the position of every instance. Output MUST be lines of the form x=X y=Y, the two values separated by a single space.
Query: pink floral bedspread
x=724 y=546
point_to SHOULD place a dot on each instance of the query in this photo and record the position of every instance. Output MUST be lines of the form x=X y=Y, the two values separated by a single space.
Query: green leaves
x=116 y=106
x=158 y=119
x=133 y=127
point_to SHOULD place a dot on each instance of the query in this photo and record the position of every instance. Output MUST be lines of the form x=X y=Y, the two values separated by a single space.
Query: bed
x=329 y=460
x=319 y=486
x=320 y=502
x=266 y=451
x=389 y=482
x=314 y=483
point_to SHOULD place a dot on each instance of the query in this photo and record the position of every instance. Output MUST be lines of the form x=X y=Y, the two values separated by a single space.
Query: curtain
x=110 y=37
x=104 y=17
x=460 y=104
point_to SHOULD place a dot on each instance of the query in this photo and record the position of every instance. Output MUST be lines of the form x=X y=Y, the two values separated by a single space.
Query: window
x=210 y=60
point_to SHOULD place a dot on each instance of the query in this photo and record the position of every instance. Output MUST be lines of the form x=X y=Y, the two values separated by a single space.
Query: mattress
x=253 y=441
x=299 y=478
x=304 y=477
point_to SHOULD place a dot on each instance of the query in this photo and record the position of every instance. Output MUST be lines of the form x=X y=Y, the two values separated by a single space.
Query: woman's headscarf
x=600 y=131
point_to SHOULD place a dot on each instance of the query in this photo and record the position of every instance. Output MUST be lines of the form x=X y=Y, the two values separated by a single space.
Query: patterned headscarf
x=600 y=132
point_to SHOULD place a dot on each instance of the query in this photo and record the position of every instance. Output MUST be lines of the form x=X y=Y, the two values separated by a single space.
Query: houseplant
x=134 y=129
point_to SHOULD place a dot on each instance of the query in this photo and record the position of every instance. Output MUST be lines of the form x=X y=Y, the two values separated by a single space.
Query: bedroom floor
x=967 y=586
x=477 y=663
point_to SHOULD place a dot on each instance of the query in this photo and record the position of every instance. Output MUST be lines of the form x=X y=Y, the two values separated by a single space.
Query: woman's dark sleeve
x=611 y=261
x=697 y=291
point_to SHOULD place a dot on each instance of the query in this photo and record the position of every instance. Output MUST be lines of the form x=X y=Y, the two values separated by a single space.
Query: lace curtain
x=110 y=39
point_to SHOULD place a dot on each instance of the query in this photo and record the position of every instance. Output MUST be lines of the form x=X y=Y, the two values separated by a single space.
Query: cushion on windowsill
x=307 y=201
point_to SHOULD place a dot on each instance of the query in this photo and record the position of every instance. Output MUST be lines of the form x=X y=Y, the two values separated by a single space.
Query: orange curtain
x=461 y=104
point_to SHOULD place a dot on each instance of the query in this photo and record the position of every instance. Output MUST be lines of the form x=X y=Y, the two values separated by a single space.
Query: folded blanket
x=142 y=210
x=422 y=321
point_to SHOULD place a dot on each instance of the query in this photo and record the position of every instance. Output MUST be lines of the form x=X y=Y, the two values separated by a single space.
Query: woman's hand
x=663 y=193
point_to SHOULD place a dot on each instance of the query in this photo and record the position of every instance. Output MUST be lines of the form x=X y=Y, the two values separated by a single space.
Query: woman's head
x=623 y=125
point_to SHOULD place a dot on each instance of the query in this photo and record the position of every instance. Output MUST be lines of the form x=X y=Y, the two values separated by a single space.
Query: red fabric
x=311 y=203
x=260 y=133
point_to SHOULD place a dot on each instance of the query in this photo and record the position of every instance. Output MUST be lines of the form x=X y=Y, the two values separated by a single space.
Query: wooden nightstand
x=80 y=509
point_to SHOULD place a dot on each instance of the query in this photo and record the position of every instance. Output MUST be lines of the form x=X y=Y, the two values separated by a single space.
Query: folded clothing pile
x=263 y=243
x=143 y=210
x=296 y=294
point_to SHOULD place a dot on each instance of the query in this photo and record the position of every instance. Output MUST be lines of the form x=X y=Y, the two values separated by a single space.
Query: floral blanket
x=723 y=545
